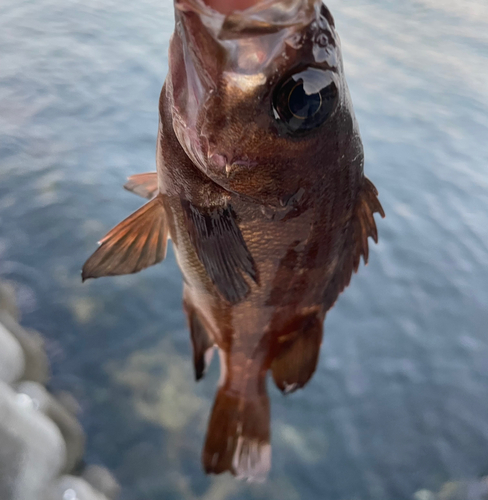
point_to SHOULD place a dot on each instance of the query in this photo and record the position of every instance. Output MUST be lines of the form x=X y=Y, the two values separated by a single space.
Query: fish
x=260 y=185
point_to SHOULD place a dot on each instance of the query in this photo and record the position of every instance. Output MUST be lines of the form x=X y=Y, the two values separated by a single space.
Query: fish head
x=258 y=97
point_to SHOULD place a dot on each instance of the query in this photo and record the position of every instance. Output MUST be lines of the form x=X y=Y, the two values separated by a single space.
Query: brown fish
x=260 y=185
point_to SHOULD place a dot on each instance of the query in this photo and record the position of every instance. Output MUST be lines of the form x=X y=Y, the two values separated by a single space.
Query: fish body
x=260 y=186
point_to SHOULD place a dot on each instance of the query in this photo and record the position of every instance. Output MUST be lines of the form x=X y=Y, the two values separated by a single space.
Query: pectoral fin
x=145 y=185
x=136 y=243
x=221 y=249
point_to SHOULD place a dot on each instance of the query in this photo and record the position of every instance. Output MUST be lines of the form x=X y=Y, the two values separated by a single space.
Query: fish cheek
x=229 y=116
x=237 y=141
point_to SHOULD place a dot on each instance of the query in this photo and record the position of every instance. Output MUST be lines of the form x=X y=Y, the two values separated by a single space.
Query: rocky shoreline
x=41 y=441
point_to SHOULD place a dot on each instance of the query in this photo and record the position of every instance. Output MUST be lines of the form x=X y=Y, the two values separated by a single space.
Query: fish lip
x=222 y=164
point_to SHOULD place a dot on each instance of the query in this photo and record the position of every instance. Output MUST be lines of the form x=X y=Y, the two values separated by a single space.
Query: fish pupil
x=303 y=105
x=304 y=101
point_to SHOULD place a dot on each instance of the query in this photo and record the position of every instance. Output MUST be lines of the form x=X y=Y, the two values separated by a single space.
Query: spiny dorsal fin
x=221 y=248
x=136 y=243
x=145 y=185
x=363 y=223
x=361 y=227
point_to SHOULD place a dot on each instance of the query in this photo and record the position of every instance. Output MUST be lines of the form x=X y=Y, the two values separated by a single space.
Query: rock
x=70 y=428
x=424 y=495
x=476 y=489
x=8 y=302
x=464 y=490
x=68 y=402
x=12 y=361
x=36 y=362
x=162 y=386
x=72 y=488
x=102 y=480
x=32 y=450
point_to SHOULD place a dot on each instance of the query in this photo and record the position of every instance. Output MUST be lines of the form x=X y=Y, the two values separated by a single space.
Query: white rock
x=72 y=488
x=70 y=428
x=32 y=450
x=102 y=480
x=12 y=361
x=424 y=495
x=7 y=300
x=36 y=362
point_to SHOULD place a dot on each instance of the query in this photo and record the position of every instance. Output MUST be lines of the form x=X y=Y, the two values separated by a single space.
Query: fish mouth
x=262 y=18
x=229 y=56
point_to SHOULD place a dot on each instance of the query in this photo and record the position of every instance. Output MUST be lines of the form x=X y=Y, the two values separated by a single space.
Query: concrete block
x=70 y=428
x=68 y=402
x=8 y=301
x=32 y=450
x=72 y=488
x=102 y=480
x=12 y=362
x=36 y=361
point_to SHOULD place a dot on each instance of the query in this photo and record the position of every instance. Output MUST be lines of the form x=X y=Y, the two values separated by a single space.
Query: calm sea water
x=400 y=400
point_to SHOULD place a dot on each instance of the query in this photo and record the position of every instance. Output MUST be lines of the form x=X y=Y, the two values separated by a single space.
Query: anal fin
x=202 y=344
x=136 y=243
x=145 y=185
x=297 y=352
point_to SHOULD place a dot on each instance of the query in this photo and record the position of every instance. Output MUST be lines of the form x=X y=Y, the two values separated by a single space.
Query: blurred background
x=399 y=403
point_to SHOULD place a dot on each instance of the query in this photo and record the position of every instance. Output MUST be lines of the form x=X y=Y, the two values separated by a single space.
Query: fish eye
x=306 y=99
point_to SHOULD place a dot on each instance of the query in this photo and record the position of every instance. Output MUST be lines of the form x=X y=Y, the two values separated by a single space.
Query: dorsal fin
x=362 y=225
x=363 y=222
x=145 y=185
x=136 y=243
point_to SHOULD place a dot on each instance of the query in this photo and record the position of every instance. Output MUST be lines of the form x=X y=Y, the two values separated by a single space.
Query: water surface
x=399 y=401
